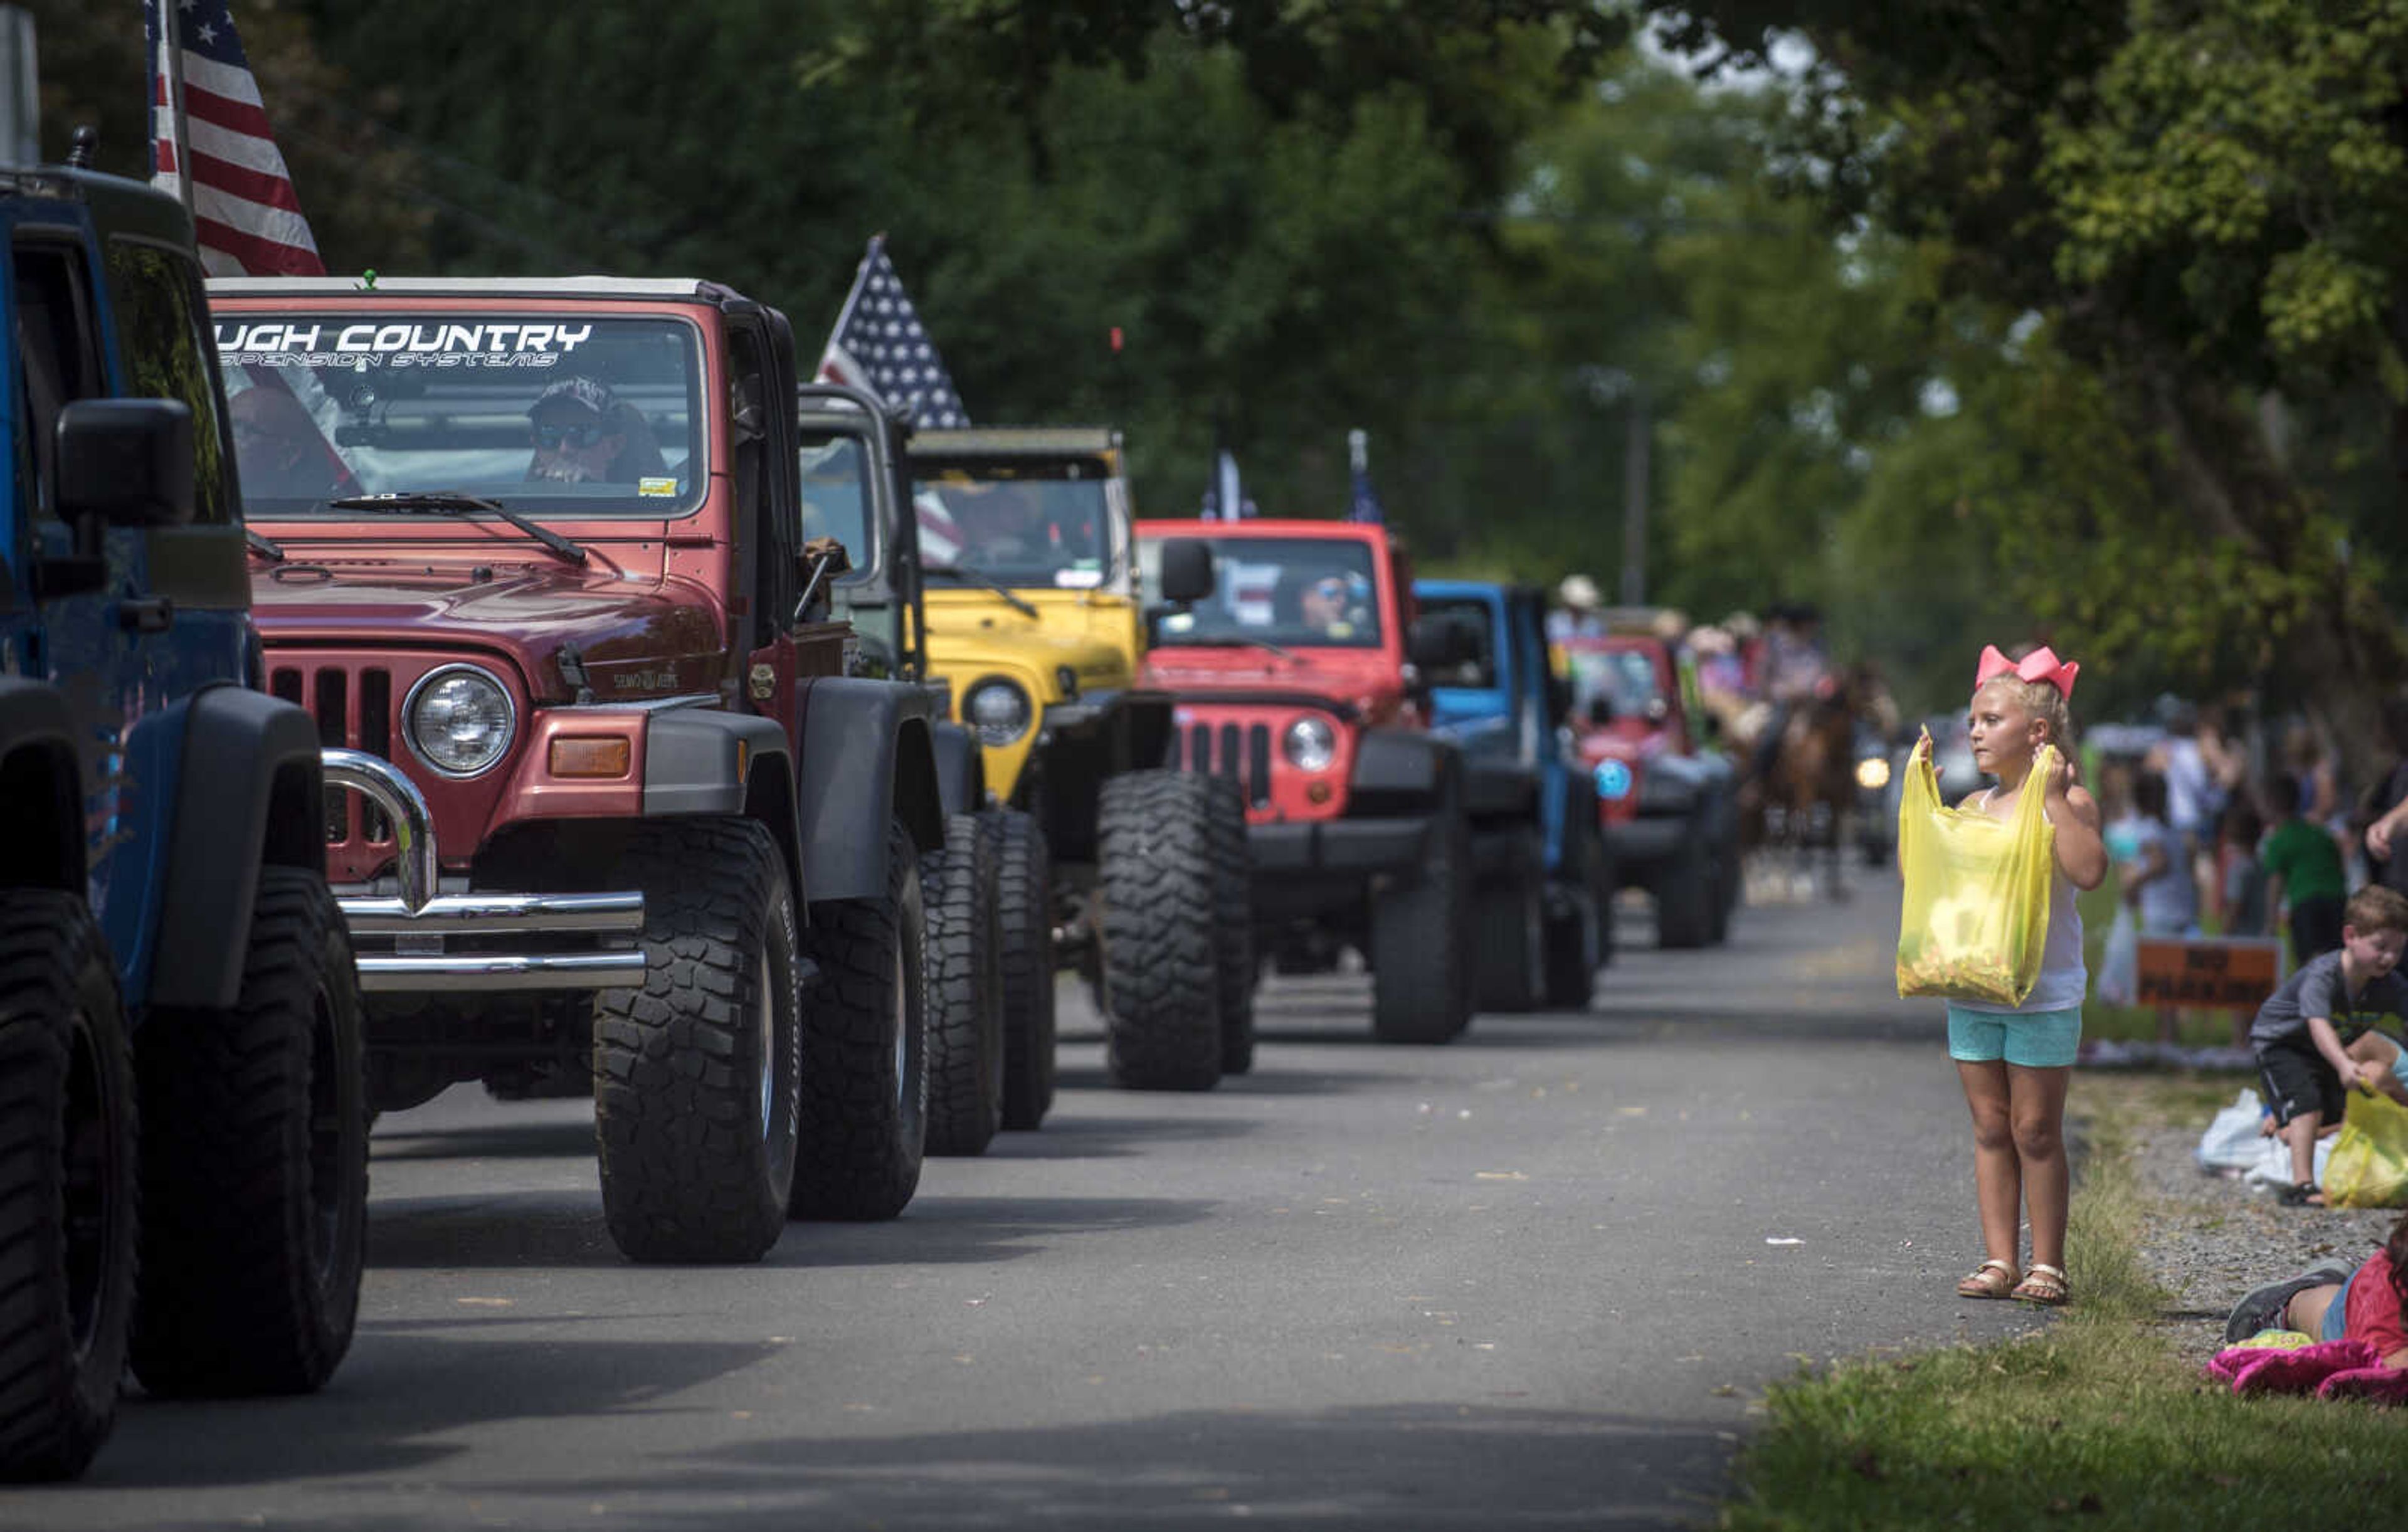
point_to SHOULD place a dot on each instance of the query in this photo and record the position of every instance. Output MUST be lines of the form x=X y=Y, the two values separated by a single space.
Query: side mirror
x=1601 y=710
x=126 y=462
x=1187 y=573
x=1435 y=644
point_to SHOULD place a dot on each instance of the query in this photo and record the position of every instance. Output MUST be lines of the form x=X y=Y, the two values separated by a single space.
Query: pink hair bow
x=2039 y=664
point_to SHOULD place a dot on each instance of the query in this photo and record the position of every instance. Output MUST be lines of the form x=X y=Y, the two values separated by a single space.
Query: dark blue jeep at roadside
x=1544 y=919
x=184 y=1143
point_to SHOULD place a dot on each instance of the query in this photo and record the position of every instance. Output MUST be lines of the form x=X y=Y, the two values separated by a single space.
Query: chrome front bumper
x=405 y=937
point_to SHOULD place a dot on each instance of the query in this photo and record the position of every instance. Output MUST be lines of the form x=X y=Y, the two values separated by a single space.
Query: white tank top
x=2064 y=978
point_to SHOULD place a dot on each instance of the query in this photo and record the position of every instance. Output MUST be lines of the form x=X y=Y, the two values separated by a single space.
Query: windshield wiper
x=460 y=503
x=266 y=548
x=1227 y=641
x=985 y=582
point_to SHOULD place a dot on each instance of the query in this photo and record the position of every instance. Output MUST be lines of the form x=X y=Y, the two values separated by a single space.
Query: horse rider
x=1796 y=669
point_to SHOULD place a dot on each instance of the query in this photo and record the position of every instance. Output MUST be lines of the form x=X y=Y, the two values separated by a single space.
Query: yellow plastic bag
x=2368 y=1163
x=1975 y=916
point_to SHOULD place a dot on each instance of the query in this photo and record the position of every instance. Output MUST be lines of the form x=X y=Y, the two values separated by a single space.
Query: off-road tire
x=1161 y=975
x=1730 y=881
x=964 y=991
x=1509 y=921
x=698 y=1074
x=67 y=1233
x=866 y=1050
x=1421 y=940
x=255 y=1163
x=1233 y=923
x=1685 y=897
x=1580 y=937
x=1024 y=912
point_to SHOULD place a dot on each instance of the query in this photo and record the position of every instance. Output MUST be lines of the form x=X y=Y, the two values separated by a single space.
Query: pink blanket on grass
x=2331 y=1369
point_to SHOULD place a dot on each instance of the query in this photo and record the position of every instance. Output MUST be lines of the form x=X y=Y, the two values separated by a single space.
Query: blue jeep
x=1544 y=913
x=180 y=1089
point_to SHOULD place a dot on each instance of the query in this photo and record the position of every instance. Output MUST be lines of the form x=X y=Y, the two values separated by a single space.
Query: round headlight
x=1872 y=773
x=1613 y=781
x=1310 y=744
x=997 y=711
x=460 y=721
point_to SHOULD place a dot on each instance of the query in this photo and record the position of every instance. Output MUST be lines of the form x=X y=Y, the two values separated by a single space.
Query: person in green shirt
x=2303 y=871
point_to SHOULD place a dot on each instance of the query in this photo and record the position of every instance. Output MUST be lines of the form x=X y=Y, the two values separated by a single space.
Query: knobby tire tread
x=56 y=1410
x=1161 y=974
x=234 y=1298
x=1024 y=912
x=863 y=1134
x=689 y=1173
x=965 y=990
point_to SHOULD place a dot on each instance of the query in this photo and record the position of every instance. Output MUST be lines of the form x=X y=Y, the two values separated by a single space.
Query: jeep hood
x=1365 y=679
x=638 y=634
x=968 y=628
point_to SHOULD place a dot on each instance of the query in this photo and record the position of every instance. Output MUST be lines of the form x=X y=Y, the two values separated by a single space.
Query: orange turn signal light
x=575 y=755
x=1316 y=791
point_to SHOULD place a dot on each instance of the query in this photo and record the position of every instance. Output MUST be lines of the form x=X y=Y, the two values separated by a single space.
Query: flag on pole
x=214 y=130
x=1364 y=504
x=879 y=344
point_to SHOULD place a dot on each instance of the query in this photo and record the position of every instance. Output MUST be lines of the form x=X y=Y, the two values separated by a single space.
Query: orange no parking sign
x=2215 y=973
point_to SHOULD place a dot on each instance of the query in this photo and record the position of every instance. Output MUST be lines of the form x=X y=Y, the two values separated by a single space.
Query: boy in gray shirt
x=2308 y=1034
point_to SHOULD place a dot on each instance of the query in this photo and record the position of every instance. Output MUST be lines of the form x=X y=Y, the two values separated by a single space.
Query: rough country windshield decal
x=549 y=415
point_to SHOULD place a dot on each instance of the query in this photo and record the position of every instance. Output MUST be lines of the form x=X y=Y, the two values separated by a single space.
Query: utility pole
x=1634 y=499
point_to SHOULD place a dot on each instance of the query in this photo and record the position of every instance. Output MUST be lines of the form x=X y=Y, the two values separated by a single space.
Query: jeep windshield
x=1624 y=678
x=1300 y=592
x=550 y=414
x=1017 y=523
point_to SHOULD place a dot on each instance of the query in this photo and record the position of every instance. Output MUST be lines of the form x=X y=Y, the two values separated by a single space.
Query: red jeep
x=532 y=556
x=1286 y=643
x=1667 y=801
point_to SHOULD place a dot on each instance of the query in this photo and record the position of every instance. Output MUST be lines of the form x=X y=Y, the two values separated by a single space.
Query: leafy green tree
x=2200 y=203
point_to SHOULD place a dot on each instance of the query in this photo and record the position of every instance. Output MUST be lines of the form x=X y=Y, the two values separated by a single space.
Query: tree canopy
x=1972 y=319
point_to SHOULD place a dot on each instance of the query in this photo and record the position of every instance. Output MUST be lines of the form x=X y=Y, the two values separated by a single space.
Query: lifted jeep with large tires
x=183 y=1143
x=622 y=817
x=1026 y=544
x=1287 y=645
x=990 y=975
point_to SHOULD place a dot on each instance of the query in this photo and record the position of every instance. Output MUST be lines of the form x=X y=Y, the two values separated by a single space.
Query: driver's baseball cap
x=590 y=392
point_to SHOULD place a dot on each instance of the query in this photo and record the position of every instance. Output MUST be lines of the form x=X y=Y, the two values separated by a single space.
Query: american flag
x=244 y=211
x=880 y=344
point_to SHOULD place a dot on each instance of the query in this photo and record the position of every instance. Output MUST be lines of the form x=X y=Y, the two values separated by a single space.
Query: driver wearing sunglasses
x=578 y=433
x=1326 y=604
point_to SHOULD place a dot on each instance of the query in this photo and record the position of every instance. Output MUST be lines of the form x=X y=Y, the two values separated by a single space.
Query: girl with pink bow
x=2016 y=1061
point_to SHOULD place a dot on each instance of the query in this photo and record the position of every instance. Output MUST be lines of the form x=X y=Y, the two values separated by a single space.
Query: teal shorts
x=2032 y=1040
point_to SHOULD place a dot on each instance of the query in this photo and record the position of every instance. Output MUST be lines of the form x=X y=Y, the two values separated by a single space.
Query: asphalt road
x=1534 y=1278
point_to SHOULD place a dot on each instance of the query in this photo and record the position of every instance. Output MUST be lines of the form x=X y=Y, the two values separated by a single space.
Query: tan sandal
x=2044 y=1284
x=1992 y=1278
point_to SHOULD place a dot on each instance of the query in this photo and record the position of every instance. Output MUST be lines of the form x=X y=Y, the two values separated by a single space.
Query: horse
x=1801 y=798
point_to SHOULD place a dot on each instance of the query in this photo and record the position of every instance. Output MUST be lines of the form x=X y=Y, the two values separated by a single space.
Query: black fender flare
x=1495 y=788
x=1402 y=771
x=708 y=760
x=40 y=784
x=249 y=793
x=961 y=766
x=869 y=757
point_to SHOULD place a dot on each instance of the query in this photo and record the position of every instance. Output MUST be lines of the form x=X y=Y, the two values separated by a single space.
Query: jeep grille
x=1243 y=754
x=353 y=707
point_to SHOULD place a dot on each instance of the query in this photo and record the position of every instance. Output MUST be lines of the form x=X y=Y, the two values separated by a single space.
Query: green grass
x=2096 y=1416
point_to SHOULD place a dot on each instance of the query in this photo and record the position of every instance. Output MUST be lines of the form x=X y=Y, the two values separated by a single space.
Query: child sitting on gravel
x=2337 y=1302
x=2305 y=1031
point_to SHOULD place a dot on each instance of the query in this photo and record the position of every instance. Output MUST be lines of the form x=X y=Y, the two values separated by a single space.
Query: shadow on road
x=515 y=1141
x=378 y=1414
x=1418 y=1467
x=1087 y=1138
x=564 y=1230
x=970 y=1230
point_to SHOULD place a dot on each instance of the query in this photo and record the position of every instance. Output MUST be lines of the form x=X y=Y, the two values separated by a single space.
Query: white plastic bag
x=2119 y=965
x=2230 y=1143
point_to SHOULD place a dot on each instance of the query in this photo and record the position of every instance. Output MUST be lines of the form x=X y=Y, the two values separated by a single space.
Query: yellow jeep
x=1033 y=622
